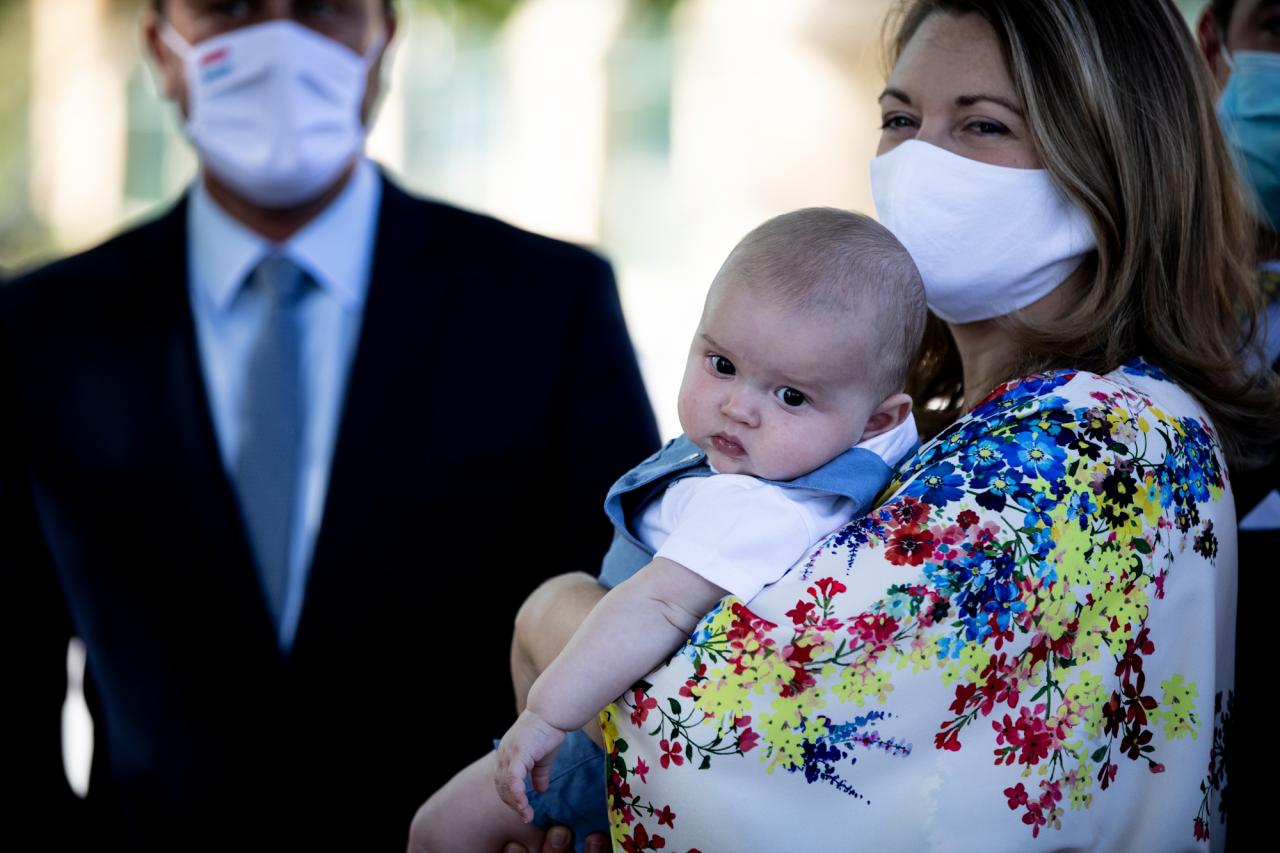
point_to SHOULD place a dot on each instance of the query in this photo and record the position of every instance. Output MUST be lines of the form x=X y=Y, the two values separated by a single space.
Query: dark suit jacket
x=494 y=396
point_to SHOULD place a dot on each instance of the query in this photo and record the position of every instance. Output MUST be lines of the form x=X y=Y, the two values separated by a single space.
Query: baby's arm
x=633 y=629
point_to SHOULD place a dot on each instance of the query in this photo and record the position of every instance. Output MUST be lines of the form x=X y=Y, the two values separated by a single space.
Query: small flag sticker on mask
x=215 y=65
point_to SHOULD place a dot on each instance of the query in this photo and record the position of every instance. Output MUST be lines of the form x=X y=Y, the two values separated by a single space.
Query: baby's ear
x=887 y=415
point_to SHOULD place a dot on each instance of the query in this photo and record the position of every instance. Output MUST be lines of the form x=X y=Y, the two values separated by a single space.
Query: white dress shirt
x=336 y=250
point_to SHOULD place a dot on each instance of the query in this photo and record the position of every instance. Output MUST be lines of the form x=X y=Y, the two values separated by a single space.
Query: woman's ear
x=887 y=415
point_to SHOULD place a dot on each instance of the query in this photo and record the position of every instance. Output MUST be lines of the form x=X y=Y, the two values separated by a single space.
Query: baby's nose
x=740 y=408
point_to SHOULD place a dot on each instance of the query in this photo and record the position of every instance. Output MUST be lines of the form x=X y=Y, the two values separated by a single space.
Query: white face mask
x=274 y=109
x=988 y=240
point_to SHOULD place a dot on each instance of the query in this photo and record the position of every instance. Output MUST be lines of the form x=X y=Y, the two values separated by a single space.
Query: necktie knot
x=280 y=281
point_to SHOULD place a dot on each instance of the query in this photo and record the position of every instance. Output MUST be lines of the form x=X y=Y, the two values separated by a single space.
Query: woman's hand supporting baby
x=632 y=630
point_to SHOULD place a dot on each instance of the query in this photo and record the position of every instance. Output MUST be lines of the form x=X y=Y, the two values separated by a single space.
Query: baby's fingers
x=541 y=772
x=509 y=781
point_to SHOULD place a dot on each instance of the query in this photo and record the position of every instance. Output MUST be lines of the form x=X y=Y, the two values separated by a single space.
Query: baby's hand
x=527 y=748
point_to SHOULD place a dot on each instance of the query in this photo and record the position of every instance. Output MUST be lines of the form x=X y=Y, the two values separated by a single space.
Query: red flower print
x=797 y=654
x=800 y=613
x=642 y=770
x=1034 y=818
x=910 y=546
x=1138 y=705
x=1107 y=774
x=801 y=681
x=876 y=628
x=966 y=519
x=1201 y=830
x=1113 y=714
x=1134 y=741
x=948 y=739
x=671 y=753
x=640 y=840
x=641 y=706
x=1131 y=661
x=1037 y=739
x=1017 y=795
x=908 y=511
x=747 y=740
x=830 y=587
x=964 y=692
x=666 y=816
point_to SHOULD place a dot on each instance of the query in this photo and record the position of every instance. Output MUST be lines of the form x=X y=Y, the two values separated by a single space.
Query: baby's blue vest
x=857 y=474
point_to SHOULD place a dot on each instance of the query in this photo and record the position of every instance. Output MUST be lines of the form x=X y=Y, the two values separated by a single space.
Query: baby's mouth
x=728 y=445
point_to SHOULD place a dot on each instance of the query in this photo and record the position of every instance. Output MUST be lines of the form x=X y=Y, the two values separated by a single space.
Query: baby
x=793 y=416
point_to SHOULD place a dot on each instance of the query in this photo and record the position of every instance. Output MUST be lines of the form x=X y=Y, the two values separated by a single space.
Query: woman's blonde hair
x=1121 y=110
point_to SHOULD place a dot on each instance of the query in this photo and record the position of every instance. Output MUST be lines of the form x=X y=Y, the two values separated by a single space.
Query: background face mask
x=1249 y=110
x=274 y=109
x=988 y=240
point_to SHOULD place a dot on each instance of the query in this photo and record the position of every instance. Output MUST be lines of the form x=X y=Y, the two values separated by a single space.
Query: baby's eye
x=722 y=365
x=790 y=396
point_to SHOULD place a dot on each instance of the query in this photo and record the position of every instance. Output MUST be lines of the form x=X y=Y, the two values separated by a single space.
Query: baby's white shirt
x=740 y=533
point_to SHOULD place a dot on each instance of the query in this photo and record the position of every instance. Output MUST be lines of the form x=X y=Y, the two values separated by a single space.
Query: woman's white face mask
x=988 y=240
x=274 y=109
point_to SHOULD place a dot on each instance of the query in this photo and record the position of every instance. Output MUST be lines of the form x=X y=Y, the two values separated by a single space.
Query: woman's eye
x=982 y=127
x=722 y=365
x=897 y=121
x=790 y=396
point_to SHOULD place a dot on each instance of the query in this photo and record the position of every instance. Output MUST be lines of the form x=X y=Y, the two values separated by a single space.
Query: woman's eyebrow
x=970 y=100
x=962 y=100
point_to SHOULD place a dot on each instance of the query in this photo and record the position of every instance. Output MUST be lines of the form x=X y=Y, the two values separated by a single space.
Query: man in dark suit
x=288 y=458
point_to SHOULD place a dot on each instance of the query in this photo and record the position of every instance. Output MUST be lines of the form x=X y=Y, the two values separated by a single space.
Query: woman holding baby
x=1028 y=645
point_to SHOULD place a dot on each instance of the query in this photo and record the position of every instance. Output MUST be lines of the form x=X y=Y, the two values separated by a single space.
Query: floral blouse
x=1027 y=646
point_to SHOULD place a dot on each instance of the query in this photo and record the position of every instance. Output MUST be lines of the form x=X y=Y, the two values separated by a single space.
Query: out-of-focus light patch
x=77 y=725
x=662 y=319
x=78 y=116
x=387 y=136
x=771 y=110
x=549 y=169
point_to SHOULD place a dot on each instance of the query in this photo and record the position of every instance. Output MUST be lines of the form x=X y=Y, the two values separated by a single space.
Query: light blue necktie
x=272 y=416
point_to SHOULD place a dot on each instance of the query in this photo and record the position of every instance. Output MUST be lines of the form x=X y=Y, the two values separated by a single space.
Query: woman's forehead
x=952 y=56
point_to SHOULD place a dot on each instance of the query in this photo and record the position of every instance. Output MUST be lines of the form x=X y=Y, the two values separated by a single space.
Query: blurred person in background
x=275 y=457
x=1241 y=41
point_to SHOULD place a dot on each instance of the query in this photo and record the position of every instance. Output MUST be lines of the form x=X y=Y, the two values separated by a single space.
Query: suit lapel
x=396 y=344
x=169 y=360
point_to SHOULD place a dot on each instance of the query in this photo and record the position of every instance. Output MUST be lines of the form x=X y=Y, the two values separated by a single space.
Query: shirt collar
x=335 y=248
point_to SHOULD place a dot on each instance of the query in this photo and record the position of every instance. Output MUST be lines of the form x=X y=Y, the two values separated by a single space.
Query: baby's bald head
x=832 y=263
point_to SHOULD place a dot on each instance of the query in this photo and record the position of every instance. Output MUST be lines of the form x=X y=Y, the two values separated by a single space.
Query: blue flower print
x=1039 y=456
x=938 y=484
x=1005 y=604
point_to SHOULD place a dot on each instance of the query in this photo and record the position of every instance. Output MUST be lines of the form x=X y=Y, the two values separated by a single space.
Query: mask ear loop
x=371 y=53
x=175 y=42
